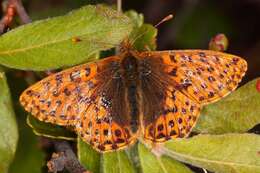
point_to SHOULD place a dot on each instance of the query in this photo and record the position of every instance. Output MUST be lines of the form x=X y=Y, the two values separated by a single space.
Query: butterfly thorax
x=130 y=67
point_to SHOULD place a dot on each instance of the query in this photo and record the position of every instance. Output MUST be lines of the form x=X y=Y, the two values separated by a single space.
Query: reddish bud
x=219 y=43
x=258 y=85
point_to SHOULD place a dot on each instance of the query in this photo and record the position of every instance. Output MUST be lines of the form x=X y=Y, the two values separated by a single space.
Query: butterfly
x=154 y=95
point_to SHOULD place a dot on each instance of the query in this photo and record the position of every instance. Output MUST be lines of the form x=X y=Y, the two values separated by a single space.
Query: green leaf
x=49 y=130
x=117 y=162
x=155 y=164
x=112 y=162
x=143 y=36
x=88 y=157
x=29 y=157
x=8 y=126
x=48 y=44
x=236 y=153
x=238 y=112
x=137 y=18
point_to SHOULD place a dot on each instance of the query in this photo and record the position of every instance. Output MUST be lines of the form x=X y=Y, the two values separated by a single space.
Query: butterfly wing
x=205 y=76
x=167 y=112
x=180 y=82
x=89 y=98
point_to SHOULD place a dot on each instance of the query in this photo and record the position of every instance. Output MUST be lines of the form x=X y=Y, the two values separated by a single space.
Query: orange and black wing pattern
x=112 y=102
x=89 y=98
x=179 y=84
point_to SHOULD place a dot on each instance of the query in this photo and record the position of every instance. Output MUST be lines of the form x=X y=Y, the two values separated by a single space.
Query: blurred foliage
x=197 y=31
x=29 y=156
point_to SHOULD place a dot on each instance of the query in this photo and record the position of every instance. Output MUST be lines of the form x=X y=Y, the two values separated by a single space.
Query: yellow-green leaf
x=117 y=162
x=159 y=164
x=88 y=157
x=112 y=162
x=229 y=153
x=238 y=112
x=63 y=41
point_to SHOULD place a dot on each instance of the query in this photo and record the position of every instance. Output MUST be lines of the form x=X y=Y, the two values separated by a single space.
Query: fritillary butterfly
x=156 y=95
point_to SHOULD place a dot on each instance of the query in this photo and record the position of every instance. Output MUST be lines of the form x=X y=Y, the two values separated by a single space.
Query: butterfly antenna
x=165 y=19
x=119 y=6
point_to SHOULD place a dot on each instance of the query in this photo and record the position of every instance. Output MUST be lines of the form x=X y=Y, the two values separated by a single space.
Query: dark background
x=194 y=24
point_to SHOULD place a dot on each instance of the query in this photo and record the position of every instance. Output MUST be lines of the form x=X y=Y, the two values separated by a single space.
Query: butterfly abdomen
x=133 y=104
x=130 y=77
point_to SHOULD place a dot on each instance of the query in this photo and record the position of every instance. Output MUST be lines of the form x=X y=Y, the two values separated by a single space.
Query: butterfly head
x=125 y=46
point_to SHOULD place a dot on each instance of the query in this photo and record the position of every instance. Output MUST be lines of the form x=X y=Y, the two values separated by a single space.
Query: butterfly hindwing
x=175 y=120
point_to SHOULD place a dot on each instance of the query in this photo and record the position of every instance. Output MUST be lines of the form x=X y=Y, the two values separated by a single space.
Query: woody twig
x=14 y=7
x=65 y=158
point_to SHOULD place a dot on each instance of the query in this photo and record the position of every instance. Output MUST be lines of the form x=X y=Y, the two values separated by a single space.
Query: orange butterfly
x=156 y=95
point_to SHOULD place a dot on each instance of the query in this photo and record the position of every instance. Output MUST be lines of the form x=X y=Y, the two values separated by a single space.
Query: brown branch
x=21 y=11
x=14 y=7
x=65 y=158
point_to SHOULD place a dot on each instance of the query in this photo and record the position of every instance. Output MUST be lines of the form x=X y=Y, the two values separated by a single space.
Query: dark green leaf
x=29 y=157
x=49 y=130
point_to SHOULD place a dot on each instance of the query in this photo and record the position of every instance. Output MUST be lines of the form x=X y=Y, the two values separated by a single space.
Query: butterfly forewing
x=56 y=99
x=89 y=98
x=202 y=75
